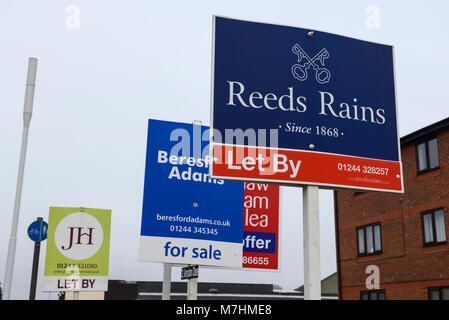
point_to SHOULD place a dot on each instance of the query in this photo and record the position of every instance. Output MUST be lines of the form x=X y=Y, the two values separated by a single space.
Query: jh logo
x=300 y=69
x=76 y=236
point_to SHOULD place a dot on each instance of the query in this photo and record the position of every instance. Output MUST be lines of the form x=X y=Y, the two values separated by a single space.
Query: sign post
x=192 y=289
x=37 y=231
x=311 y=240
x=37 y=248
x=307 y=108
x=204 y=226
x=192 y=282
x=166 y=281
x=191 y=273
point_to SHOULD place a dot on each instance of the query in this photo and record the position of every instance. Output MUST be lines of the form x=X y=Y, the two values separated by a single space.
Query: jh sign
x=77 y=255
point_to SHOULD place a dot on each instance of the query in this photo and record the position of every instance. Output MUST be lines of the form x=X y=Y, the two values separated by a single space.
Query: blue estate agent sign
x=321 y=93
x=187 y=217
x=37 y=231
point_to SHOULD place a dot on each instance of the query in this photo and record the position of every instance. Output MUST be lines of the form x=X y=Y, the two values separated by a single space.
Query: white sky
x=132 y=60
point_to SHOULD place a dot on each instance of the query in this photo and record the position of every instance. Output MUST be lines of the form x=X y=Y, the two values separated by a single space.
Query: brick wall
x=407 y=268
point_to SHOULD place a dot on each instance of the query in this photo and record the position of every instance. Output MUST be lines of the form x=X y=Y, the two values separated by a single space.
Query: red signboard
x=261 y=226
x=286 y=165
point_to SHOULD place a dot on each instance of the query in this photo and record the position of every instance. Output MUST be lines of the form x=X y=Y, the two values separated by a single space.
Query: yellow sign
x=77 y=256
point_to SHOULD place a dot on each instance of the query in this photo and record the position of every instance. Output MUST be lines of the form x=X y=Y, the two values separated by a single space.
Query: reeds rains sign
x=294 y=106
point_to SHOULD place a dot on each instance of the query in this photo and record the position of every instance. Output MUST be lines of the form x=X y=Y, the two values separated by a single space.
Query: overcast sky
x=105 y=67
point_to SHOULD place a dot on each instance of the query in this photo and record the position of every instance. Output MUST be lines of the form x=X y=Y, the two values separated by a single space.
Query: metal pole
x=166 y=284
x=192 y=289
x=37 y=249
x=192 y=283
x=311 y=234
x=27 y=113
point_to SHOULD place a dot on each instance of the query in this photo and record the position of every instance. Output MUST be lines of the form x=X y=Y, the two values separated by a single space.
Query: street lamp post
x=27 y=113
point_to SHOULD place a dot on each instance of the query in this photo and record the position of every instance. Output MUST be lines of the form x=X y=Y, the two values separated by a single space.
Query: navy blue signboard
x=313 y=107
x=37 y=231
x=188 y=217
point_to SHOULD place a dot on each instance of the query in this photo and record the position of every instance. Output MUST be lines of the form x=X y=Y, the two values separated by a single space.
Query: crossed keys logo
x=299 y=70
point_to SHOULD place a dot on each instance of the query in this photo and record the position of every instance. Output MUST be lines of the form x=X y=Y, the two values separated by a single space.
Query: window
x=433 y=226
x=372 y=295
x=427 y=155
x=369 y=240
x=439 y=293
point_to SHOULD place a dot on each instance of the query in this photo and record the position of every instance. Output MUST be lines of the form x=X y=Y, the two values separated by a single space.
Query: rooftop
x=426 y=131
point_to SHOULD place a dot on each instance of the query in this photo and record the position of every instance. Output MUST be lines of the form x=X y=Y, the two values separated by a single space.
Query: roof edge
x=430 y=129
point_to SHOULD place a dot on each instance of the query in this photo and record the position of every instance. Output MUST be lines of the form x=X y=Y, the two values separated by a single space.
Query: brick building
x=402 y=236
